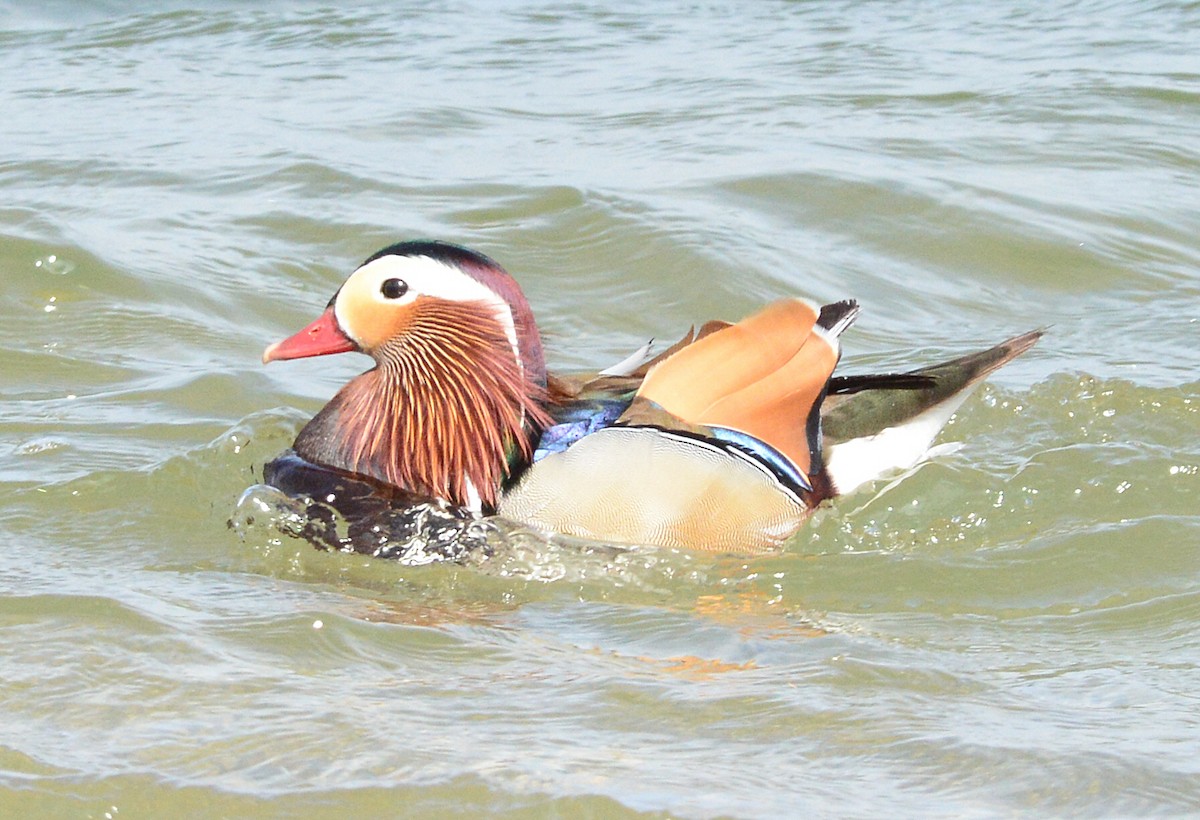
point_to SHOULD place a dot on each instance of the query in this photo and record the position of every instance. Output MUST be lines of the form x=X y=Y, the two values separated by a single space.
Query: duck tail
x=873 y=424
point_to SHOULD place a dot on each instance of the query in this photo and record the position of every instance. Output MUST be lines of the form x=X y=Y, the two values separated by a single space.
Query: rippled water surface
x=1011 y=628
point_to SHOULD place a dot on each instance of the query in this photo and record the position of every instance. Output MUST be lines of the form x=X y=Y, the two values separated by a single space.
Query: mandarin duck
x=726 y=441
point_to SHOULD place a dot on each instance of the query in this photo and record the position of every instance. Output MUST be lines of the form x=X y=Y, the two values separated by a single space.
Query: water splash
x=414 y=536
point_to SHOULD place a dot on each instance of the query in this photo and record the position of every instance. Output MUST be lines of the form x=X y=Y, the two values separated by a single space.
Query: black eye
x=393 y=288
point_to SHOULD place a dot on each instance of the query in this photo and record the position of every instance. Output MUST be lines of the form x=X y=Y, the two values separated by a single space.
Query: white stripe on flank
x=857 y=461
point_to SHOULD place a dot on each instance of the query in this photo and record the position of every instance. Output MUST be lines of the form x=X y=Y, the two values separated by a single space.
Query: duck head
x=459 y=385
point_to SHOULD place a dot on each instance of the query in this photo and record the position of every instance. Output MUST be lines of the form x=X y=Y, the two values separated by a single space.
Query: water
x=1009 y=629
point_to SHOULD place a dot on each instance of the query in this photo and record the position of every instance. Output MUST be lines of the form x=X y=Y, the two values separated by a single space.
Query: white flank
x=853 y=463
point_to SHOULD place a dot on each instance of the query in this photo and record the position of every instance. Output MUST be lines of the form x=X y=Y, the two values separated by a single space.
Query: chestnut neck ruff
x=440 y=413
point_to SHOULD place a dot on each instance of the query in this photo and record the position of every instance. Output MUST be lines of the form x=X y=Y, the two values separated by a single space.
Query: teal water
x=1009 y=629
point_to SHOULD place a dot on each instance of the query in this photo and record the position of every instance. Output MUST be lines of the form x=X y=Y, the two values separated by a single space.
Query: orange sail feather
x=761 y=376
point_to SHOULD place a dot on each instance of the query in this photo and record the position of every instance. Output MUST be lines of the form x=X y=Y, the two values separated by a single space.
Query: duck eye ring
x=393 y=288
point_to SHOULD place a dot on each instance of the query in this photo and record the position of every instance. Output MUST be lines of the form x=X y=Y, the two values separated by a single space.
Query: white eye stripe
x=424 y=276
x=377 y=294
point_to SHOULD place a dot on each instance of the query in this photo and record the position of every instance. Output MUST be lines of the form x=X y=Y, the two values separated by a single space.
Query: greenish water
x=1009 y=629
